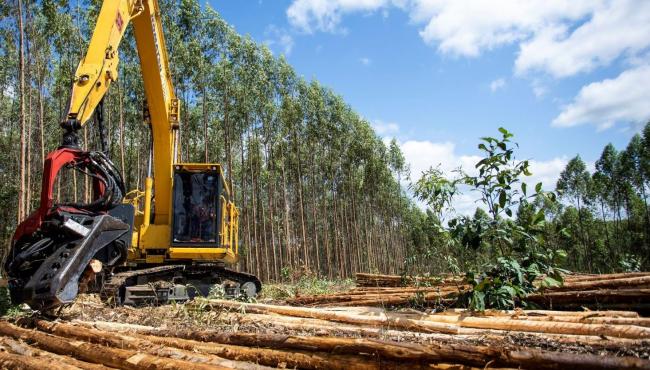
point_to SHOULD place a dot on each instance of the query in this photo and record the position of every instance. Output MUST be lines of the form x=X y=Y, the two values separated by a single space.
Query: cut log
x=620 y=283
x=600 y=295
x=641 y=321
x=186 y=349
x=414 y=354
x=542 y=313
x=375 y=280
x=132 y=343
x=397 y=300
x=576 y=278
x=407 y=293
x=447 y=324
x=324 y=328
x=13 y=361
x=23 y=349
x=304 y=359
x=114 y=357
x=403 y=324
x=551 y=327
x=371 y=290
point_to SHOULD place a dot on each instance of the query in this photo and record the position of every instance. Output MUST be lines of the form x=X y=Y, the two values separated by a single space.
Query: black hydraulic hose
x=98 y=166
x=99 y=119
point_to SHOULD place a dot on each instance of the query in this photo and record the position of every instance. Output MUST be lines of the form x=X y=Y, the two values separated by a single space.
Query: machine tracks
x=110 y=290
x=113 y=288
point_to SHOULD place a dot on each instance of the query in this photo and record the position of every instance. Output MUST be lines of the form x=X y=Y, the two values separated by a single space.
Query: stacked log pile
x=628 y=291
x=383 y=297
x=352 y=335
x=353 y=338
x=390 y=290
x=376 y=280
x=455 y=337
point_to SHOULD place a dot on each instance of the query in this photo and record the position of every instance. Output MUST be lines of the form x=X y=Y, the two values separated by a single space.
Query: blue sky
x=566 y=77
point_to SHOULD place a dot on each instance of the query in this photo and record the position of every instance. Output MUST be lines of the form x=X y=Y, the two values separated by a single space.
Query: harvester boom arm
x=99 y=68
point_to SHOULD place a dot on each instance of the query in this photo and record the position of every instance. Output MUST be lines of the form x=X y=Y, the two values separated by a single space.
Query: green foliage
x=574 y=180
x=498 y=175
x=501 y=186
x=502 y=286
x=629 y=263
x=513 y=250
x=505 y=284
x=435 y=190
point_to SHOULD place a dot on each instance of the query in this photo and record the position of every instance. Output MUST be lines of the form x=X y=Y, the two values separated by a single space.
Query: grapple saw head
x=54 y=246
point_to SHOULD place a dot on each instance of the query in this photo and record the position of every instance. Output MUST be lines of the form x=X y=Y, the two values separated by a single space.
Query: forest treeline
x=319 y=191
x=317 y=188
x=597 y=221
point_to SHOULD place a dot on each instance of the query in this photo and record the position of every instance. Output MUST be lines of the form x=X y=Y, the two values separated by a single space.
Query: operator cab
x=198 y=198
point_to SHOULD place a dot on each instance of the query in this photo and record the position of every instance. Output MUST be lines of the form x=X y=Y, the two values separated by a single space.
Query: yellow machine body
x=153 y=239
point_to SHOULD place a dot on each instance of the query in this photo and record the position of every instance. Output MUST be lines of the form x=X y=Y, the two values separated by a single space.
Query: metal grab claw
x=56 y=282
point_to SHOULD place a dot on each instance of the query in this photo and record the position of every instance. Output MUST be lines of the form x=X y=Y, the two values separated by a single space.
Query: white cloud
x=539 y=89
x=497 y=84
x=279 y=37
x=466 y=27
x=365 y=61
x=605 y=103
x=325 y=15
x=615 y=28
x=462 y=27
x=546 y=172
x=385 y=128
x=558 y=37
x=421 y=155
x=424 y=154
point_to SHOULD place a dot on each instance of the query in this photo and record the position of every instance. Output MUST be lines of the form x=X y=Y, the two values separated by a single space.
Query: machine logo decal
x=119 y=22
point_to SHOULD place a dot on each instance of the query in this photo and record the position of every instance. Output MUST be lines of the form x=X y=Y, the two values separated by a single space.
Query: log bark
x=132 y=343
x=12 y=361
x=114 y=357
x=621 y=283
x=185 y=349
x=376 y=280
x=23 y=349
x=377 y=298
x=447 y=324
x=405 y=324
x=551 y=327
x=577 y=278
x=293 y=359
x=415 y=354
x=543 y=313
x=593 y=296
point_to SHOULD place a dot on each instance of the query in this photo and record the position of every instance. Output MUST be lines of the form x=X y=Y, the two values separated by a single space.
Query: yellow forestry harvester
x=169 y=242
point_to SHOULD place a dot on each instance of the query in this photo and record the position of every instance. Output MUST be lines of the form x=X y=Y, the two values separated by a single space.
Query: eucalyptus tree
x=573 y=184
x=607 y=167
x=632 y=170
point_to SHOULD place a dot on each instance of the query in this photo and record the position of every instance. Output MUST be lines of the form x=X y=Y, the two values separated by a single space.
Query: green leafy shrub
x=505 y=284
